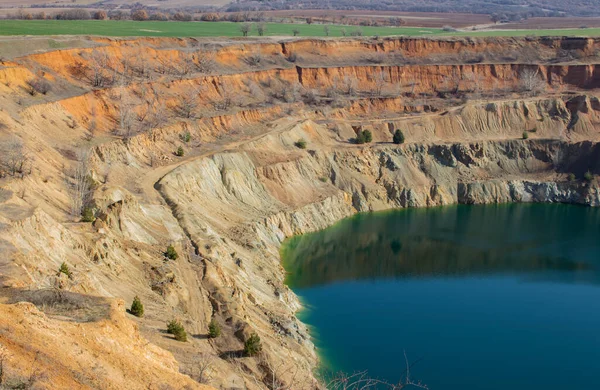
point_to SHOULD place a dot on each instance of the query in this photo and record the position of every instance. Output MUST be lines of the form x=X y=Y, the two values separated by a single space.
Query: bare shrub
x=361 y=381
x=376 y=58
x=100 y=15
x=38 y=85
x=99 y=66
x=14 y=160
x=311 y=97
x=139 y=15
x=357 y=32
x=80 y=183
x=73 y=14
x=255 y=90
x=126 y=115
x=158 y=16
x=292 y=57
x=201 y=368
x=187 y=104
x=183 y=67
x=380 y=80
x=182 y=17
x=204 y=61
x=350 y=85
x=255 y=59
x=227 y=98
x=285 y=91
x=531 y=81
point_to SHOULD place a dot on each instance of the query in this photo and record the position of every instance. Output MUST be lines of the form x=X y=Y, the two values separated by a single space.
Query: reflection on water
x=485 y=297
x=452 y=241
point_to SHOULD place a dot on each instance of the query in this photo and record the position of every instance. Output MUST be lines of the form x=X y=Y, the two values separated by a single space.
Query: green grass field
x=185 y=29
x=226 y=29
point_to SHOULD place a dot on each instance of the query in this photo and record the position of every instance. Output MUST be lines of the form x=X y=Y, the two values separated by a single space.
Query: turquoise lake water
x=479 y=297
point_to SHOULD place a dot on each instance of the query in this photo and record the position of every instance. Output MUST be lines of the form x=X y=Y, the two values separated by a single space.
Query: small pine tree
x=360 y=138
x=525 y=135
x=398 y=137
x=252 y=346
x=64 y=269
x=137 y=308
x=588 y=176
x=571 y=177
x=175 y=328
x=87 y=215
x=368 y=136
x=180 y=152
x=301 y=143
x=214 y=329
x=171 y=253
x=186 y=137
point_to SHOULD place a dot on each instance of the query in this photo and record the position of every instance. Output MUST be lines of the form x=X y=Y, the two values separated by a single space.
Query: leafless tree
x=100 y=69
x=140 y=64
x=14 y=159
x=157 y=117
x=245 y=28
x=380 y=80
x=205 y=61
x=226 y=97
x=187 y=104
x=285 y=375
x=350 y=85
x=254 y=90
x=261 y=28
x=183 y=67
x=202 y=367
x=126 y=114
x=531 y=81
x=80 y=183
x=452 y=83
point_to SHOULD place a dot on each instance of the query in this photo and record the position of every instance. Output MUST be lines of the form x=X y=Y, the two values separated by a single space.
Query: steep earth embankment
x=197 y=145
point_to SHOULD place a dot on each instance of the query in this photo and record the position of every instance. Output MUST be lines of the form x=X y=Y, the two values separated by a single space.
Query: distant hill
x=528 y=8
x=509 y=10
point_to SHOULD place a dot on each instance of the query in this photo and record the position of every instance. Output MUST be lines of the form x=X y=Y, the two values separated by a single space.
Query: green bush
x=301 y=143
x=64 y=269
x=252 y=346
x=214 y=329
x=525 y=135
x=588 y=176
x=186 y=137
x=87 y=215
x=171 y=253
x=363 y=137
x=360 y=138
x=175 y=328
x=137 y=308
x=398 y=137
x=571 y=177
x=180 y=152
